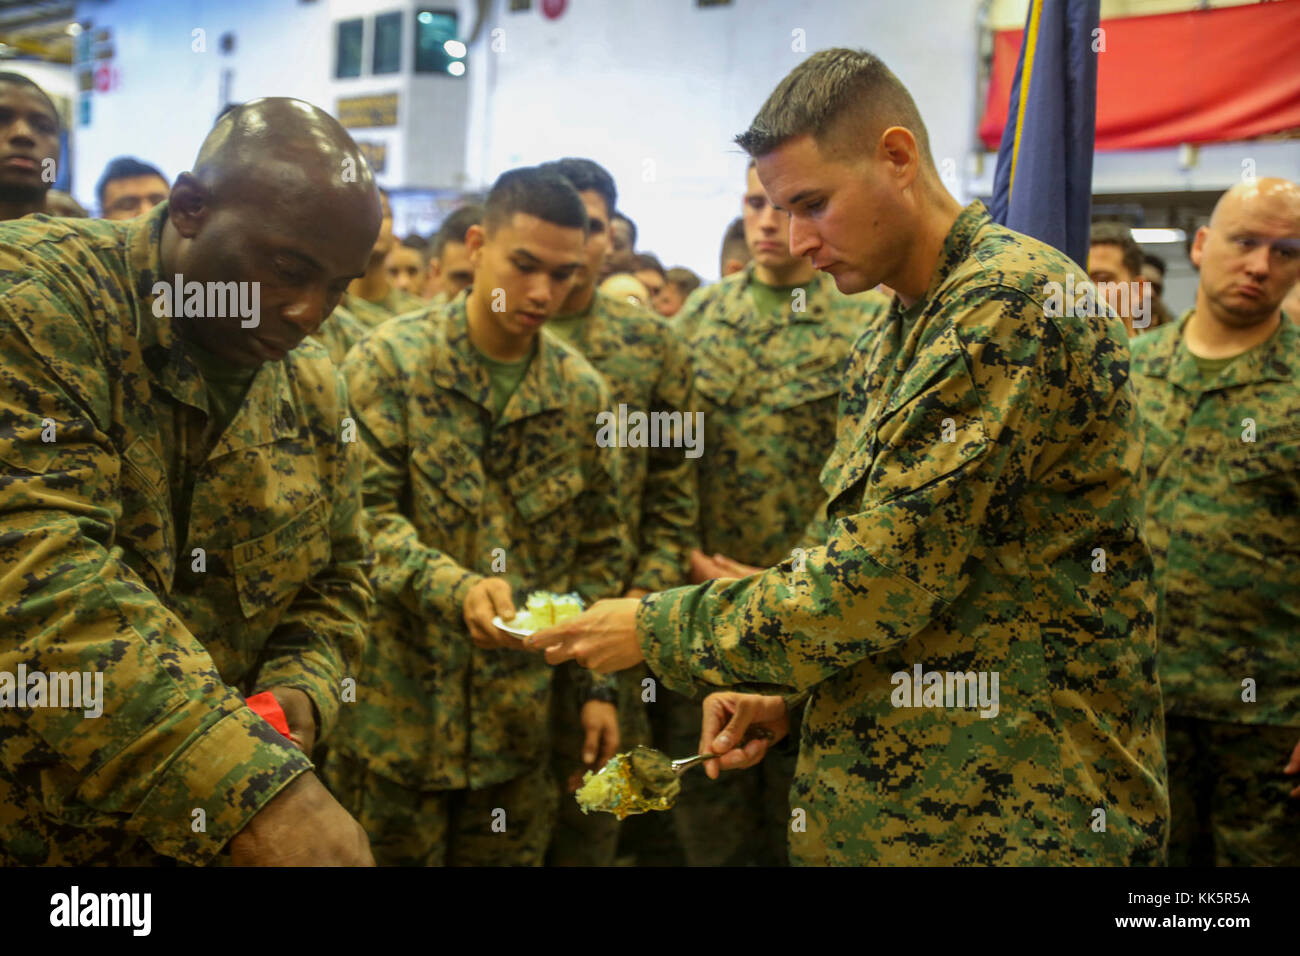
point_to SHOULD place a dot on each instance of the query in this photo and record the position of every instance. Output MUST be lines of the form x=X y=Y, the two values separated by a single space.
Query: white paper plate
x=512 y=628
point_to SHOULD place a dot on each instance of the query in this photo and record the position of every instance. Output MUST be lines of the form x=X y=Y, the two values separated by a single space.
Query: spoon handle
x=686 y=763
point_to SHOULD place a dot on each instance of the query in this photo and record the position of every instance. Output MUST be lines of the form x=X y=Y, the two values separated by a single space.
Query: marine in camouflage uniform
x=101 y=568
x=646 y=368
x=354 y=317
x=339 y=332
x=768 y=385
x=974 y=554
x=372 y=314
x=444 y=732
x=1222 y=454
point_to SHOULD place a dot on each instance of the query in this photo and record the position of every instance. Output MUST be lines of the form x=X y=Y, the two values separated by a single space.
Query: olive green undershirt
x=1211 y=367
x=566 y=326
x=226 y=384
x=505 y=378
x=774 y=298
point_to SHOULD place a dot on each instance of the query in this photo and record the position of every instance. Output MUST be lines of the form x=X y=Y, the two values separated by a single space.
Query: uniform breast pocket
x=813 y=380
x=936 y=429
x=271 y=569
x=1268 y=476
x=1275 y=460
x=546 y=497
x=715 y=383
x=447 y=487
x=844 y=478
x=799 y=403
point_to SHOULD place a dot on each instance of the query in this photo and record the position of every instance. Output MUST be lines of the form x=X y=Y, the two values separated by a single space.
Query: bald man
x=1219 y=394
x=180 y=511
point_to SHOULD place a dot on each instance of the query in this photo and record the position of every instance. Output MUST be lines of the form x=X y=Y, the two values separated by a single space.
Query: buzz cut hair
x=586 y=175
x=124 y=167
x=685 y=280
x=631 y=226
x=18 y=79
x=1119 y=234
x=454 y=227
x=534 y=192
x=648 y=262
x=733 y=244
x=844 y=99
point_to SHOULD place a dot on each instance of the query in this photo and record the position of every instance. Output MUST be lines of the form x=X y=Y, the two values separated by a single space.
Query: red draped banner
x=1203 y=76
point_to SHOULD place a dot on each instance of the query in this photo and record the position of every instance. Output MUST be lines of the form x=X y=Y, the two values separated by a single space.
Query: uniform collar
x=740 y=313
x=591 y=336
x=160 y=339
x=458 y=369
x=1274 y=359
x=956 y=248
x=267 y=413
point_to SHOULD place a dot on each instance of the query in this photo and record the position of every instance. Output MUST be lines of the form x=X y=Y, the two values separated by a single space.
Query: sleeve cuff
x=657 y=572
x=229 y=773
x=305 y=673
x=659 y=619
x=436 y=600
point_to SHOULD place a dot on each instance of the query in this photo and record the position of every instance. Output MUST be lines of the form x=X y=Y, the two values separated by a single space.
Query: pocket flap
x=274 y=567
x=804 y=382
x=539 y=492
x=1274 y=459
x=453 y=468
x=714 y=381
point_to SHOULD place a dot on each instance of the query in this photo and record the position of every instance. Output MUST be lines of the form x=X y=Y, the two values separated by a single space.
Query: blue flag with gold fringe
x=1043 y=183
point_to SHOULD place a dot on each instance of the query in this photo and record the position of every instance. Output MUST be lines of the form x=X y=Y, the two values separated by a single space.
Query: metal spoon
x=652 y=766
x=646 y=779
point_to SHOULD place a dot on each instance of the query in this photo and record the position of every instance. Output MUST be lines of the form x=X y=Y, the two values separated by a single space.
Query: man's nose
x=803 y=238
x=540 y=290
x=770 y=220
x=1257 y=260
x=22 y=131
x=308 y=311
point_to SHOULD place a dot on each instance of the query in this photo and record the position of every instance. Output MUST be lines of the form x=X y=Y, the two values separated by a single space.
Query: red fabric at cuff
x=267 y=707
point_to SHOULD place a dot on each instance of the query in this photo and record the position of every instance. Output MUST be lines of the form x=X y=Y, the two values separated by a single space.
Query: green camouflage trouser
x=1228 y=797
x=507 y=824
x=588 y=839
x=743 y=817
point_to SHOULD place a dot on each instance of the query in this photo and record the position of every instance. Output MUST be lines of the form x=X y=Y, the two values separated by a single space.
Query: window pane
x=434 y=29
x=347 y=59
x=388 y=43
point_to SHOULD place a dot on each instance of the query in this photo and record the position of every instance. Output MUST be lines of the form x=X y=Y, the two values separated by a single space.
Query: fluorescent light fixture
x=1157 y=235
x=454 y=48
x=456 y=68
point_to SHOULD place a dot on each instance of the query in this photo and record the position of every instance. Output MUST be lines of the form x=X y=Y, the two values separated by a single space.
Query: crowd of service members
x=206 y=513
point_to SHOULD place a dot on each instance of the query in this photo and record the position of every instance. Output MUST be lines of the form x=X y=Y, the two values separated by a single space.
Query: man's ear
x=475 y=236
x=898 y=149
x=1198 y=246
x=188 y=206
